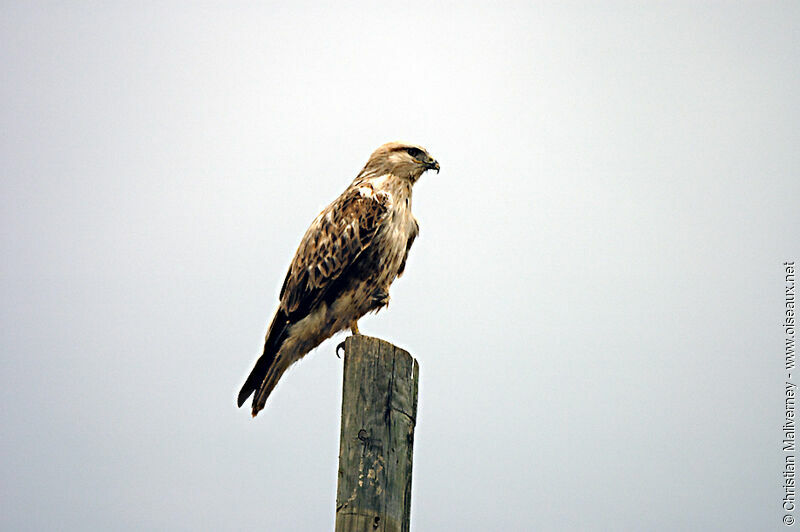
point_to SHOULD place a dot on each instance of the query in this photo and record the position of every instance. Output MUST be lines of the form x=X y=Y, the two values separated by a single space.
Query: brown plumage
x=344 y=265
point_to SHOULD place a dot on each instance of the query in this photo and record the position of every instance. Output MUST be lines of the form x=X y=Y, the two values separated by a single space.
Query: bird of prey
x=348 y=258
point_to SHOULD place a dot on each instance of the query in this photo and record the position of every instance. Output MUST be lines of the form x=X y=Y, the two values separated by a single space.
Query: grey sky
x=594 y=299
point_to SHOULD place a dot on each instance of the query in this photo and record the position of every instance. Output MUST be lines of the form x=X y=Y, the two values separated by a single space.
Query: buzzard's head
x=403 y=160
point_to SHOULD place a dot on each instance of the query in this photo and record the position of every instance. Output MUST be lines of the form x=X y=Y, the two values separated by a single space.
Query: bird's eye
x=414 y=152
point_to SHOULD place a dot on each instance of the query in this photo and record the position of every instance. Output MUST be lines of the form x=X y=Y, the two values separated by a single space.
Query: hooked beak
x=432 y=164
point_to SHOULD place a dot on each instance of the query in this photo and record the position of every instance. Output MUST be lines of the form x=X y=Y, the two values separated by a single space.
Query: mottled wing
x=334 y=241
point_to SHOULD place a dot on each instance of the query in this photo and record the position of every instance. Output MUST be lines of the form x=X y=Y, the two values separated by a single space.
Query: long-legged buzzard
x=345 y=264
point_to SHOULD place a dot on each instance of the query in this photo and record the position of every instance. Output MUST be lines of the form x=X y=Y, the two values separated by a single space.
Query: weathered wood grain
x=379 y=410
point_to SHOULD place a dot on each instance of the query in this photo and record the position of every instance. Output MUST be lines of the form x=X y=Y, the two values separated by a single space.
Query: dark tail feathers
x=275 y=337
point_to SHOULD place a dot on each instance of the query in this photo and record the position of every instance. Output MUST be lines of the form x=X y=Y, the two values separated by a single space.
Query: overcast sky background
x=595 y=298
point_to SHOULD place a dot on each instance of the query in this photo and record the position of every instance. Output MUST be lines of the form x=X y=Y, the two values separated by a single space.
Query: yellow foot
x=354 y=328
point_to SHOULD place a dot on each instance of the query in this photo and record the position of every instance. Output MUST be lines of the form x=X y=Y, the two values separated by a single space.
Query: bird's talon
x=340 y=346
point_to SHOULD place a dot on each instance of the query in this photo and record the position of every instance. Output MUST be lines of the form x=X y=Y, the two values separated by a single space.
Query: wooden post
x=379 y=412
